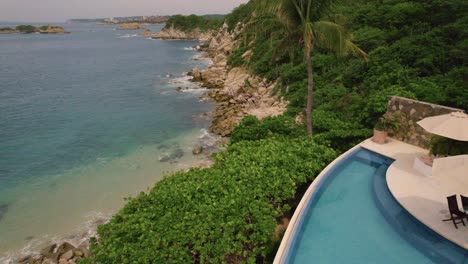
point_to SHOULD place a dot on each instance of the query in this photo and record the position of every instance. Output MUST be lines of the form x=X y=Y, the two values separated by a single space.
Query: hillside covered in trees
x=192 y=22
x=230 y=213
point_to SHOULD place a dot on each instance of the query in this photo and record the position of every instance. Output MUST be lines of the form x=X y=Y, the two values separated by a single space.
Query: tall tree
x=313 y=24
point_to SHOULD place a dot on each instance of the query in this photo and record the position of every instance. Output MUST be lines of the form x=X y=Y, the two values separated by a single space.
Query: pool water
x=353 y=218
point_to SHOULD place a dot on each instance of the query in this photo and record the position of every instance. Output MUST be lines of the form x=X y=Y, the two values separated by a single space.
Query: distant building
x=110 y=20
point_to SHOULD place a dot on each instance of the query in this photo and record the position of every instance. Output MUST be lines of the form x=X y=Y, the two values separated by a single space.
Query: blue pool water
x=353 y=218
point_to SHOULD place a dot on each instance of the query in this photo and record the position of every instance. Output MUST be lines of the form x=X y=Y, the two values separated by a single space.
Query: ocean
x=87 y=119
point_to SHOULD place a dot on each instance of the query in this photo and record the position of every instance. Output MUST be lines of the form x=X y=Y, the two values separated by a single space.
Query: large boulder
x=147 y=33
x=236 y=79
x=197 y=150
x=64 y=248
x=196 y=74
x=48 y=251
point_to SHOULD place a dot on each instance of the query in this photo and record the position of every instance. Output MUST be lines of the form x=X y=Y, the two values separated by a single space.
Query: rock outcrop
x=147 y=33
x=28 y=29
x=129 y=26
x=64 y=253
x=237 y=92
x=53 y=30
x=8 y=30
x=175 y=34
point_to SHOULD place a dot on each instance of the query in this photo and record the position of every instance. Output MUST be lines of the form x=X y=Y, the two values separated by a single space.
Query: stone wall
x=413 y=111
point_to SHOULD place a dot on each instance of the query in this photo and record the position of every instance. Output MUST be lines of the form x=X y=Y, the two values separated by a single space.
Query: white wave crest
x=128 y=36
x=81 y=235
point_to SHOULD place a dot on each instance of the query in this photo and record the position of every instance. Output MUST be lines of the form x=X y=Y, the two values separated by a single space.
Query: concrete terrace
x=422 y=196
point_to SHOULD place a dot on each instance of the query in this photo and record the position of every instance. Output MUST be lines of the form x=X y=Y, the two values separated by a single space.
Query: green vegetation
x=33 y=29
x=311 y=25
x=412 y=53
x=251 y=128
x=192 y=22
x=225 y=214
x=26 y=29
x=441 y=146
x=214 y=16
x=388 y=121
x=46 y=27
x=228 y=213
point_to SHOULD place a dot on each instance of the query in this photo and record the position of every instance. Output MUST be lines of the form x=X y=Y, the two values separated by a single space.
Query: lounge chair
x=456 y=216
x=464 y=203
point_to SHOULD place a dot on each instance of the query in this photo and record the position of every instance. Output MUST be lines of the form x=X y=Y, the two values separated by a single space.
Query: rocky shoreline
x=64 y=253
x=174 y=34
x=237 y=94
x=236 y=91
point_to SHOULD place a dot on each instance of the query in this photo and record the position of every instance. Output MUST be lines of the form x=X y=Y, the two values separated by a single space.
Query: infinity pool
x=353 y=218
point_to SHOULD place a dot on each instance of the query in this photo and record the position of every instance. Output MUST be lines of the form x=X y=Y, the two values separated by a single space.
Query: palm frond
x=335 y=37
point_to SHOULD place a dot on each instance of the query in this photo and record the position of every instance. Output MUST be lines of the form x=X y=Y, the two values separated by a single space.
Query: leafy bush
x=441 y=146
x=250 y=128
x=338 y=134
x=225 y=214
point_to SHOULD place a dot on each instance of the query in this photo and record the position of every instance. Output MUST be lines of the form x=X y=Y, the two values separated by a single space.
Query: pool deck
x=422 y=196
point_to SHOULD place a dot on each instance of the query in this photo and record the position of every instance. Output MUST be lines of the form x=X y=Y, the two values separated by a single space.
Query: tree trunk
x=310 y=90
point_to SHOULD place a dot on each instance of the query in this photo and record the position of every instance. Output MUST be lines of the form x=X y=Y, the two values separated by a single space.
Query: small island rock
x=130 y=26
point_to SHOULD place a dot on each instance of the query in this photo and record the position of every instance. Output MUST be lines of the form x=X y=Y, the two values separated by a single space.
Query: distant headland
x=28 y=29
x=123 y=20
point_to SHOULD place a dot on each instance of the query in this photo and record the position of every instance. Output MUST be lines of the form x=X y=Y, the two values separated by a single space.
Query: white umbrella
x=453 y=125
x=454 y=165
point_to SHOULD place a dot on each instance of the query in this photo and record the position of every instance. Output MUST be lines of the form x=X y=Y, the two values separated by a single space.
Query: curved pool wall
x=350 y=216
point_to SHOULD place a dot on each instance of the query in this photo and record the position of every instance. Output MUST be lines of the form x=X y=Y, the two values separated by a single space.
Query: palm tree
x=312 y=24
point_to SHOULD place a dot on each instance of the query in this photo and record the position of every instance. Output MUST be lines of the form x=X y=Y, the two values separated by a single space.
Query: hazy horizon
x=60 y=11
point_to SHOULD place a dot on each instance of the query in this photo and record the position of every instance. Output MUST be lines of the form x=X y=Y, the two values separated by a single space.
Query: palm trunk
x=310 y=90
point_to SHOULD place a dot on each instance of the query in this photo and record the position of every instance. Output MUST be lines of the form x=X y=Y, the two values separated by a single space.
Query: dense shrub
x=225 y=214
x=441 y=146
x=26 y=28
x=251 y=128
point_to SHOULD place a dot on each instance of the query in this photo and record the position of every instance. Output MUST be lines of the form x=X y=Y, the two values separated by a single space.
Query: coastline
x=144 y=177
x=197 y=146
x=236 y=94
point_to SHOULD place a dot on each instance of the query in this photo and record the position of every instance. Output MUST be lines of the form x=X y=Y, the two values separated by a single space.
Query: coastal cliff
x=237 y=92
x=176 y=34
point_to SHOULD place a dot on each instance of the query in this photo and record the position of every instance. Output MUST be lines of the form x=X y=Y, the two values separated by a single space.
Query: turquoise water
x=353 y=218
x=84 y=119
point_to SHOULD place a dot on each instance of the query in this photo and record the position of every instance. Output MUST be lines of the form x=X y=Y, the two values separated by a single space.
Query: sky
x=61 y=10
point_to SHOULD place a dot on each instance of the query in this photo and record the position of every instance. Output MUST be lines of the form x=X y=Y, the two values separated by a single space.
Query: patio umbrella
x=455 y=166
x=453 y=125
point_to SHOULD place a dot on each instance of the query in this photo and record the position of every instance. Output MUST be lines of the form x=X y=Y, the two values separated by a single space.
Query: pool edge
x=282 y=253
